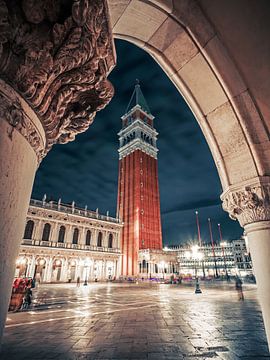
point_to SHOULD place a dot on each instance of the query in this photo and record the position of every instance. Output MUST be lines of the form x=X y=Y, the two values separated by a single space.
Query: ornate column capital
x=248 y=202
x=56 y=55
x=22 y=119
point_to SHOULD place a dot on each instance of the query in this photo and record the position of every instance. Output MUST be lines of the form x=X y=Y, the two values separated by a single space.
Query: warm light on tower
x=138 y=190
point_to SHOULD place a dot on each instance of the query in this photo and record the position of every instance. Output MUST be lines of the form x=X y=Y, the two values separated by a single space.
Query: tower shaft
x=138 y=190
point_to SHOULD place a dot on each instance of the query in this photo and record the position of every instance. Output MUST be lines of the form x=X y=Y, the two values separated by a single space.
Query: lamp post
x=87 y=265
x=162 y=265
x=196 y=256
x=199 y=238
x=223 y=244
x=149 y=269
x=213 y=247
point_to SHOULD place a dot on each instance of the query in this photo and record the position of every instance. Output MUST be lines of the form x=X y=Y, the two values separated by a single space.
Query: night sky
x=86 y=170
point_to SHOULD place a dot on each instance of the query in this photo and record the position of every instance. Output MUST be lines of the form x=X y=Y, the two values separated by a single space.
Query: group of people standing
x=21 y=296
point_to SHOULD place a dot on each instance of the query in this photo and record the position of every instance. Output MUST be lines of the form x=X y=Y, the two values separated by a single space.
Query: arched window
x=28 y=232
x=88 y=237
x=99 y=241
x=143 y=266
x=46 y=232
x=110 y=241
x=75 y=236
x=61 y=234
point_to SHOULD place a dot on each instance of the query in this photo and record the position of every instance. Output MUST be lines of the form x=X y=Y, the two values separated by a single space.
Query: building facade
x=138 y=190
x=63 y=242
x=228 y=258
x=160 y=264
x=223 y=259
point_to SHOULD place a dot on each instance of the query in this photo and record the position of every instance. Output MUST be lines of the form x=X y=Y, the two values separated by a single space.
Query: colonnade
x=152 y=268
x=63 y=268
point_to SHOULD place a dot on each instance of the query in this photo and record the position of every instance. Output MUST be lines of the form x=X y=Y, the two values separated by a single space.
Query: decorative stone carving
x=252 y=204
x=13 y=112
x=57 y=54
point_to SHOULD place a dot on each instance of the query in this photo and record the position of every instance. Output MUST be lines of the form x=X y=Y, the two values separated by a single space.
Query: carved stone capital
x=57 y=55
x=249 y=203
x=22 y=119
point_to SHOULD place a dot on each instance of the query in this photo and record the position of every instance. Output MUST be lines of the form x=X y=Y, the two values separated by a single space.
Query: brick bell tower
x=138 y=190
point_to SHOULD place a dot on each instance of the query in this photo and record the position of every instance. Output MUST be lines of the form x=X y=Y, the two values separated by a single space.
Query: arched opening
x=40 y=268
x=75 y=236
x=61 y=234
x=110 y=241
x=56 y=270
x=99 y=241
x=88 y=238
x=28 y=232
x=46 y=232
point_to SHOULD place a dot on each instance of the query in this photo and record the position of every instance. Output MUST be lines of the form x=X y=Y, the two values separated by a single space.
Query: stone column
x=64 y=270
x=95 y=235
x=54 y=231
x=82 y=236
x=69 y=234
x=31 y=267
x=105 y=264
x=48 y=270
x=22 y=141
x=78 y=271
x=250 y=205
x=56 y=61
x=37 y=233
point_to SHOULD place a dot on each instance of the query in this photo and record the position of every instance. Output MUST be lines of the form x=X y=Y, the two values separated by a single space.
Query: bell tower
x=138 y=190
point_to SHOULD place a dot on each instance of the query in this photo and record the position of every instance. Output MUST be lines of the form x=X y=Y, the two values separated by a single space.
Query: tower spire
x=137 y=98
x=137 y=89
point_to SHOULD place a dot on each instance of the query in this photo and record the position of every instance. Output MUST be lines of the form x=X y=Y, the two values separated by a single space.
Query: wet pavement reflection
x=130 y=321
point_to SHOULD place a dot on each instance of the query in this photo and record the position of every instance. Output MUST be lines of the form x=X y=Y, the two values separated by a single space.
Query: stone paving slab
x=129 y=321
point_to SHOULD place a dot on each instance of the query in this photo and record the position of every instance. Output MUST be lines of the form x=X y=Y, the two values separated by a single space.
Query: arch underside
x=179 y=37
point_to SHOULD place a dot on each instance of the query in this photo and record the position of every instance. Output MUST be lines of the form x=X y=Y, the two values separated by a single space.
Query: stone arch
x=61 y=234
x=178 y=35
x=46 y=232
x=110 y=241
x=88 y=238
x=99 y=240
x=28 y=232
x=193 y=42
x=75 y=237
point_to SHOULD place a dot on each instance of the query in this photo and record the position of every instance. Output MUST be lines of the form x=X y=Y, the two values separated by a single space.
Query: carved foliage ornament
x=57 y=55
x=249 y=205
x=16 y=117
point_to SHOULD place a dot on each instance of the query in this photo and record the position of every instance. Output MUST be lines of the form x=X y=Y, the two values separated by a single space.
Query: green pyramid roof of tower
x=137 y=98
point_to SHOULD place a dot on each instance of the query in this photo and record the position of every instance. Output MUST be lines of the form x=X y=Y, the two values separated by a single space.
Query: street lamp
x=223 y=244
x=199 y=238
x=197 y=256
x=213 y=246
x=162 y=265
x=87 y=264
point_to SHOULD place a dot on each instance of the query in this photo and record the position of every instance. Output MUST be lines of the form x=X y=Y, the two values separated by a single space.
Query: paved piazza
x=129 y=321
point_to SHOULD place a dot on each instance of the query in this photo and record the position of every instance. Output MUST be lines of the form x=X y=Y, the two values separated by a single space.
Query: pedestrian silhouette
x=238 y=287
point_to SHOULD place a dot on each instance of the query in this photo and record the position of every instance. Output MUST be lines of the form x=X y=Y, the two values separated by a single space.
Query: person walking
x=78 y=281
x=27 y=297
x=239 y=288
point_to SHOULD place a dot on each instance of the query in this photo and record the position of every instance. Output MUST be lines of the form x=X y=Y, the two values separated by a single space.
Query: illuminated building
x=63 y=242
x=138 y=190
